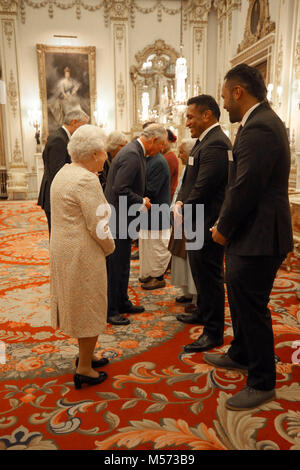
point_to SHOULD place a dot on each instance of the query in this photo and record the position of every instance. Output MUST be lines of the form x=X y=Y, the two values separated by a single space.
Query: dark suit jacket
x=55 y=156
x=205 y=180
x=255 y=217
x=158 y=191
x=103 y=174
x=126 y=177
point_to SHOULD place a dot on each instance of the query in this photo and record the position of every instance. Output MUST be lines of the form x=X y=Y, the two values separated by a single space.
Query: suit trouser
x=48 y=215
x=118 y=269
x=249 y=283
x=208 y=274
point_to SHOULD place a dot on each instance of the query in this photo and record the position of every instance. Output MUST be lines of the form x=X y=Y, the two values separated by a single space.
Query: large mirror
x=153 y=80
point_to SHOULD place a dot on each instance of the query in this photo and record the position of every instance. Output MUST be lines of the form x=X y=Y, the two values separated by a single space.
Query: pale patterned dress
x=78 y=280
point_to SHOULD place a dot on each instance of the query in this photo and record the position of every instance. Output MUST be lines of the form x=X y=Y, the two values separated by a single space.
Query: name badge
x=191 y=161
x=230 y=155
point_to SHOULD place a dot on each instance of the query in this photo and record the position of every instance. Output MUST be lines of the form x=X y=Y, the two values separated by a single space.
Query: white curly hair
x=187 y=144
x=86 y=140
x=115 y=139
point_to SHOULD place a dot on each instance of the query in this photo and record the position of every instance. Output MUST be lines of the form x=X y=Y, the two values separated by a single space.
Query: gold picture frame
x=258 y=24
x=67 y=80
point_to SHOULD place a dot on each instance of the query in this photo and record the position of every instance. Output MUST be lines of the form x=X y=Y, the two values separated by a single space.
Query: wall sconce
x=100 y=115
x=34 y=119
x=279 y=94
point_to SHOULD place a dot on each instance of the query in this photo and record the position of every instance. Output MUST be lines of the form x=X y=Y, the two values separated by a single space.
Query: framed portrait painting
x=67 y=81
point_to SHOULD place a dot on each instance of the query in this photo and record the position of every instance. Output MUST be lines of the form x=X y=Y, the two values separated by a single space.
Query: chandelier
x=179 y=102
x=167 y=104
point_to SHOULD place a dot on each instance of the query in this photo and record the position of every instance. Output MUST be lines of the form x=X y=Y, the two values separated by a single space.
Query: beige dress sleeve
x=96 y=216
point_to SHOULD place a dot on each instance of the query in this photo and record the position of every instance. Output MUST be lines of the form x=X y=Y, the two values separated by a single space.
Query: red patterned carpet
x=155 y=396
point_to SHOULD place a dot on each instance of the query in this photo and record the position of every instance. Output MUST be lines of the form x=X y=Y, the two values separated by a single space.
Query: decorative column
x=119 y=31
x=293 y=114
x=227 y=14
x=198 y=40
x=17 y=168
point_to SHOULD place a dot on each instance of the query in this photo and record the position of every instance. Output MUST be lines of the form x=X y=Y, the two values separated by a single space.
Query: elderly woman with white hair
x=181 y=275
x=115 y=141
x=80 y=242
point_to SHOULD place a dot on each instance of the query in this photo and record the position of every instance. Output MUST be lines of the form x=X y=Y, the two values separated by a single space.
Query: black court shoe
x=79 y=379
x=96 y=364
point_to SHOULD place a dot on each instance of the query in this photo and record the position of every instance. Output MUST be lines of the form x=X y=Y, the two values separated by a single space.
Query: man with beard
x=255 y=226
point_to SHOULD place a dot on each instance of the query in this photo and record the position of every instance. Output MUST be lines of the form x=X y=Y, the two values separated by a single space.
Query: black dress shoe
x=79 y=379
x=193 y=319
x=96 y=364
x=203 y=343
x=132 y=309
x=191 y=308
x=183 y=299
x=118 y=320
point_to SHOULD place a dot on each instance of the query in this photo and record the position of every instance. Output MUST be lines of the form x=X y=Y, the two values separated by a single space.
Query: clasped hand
x=217 y=236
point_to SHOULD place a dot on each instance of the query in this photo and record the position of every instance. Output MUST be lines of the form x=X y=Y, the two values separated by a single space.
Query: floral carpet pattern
x=155 y=396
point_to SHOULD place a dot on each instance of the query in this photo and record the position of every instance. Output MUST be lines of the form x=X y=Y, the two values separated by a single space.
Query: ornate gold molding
x=121 y=96
x=225 y=7
x=17 y=157
x=162 y=55
x=195 y=10
x=255 y=52
x=119 y=10
x=12 y=93
x=198 y=38
x=297 y=58
x=8 y=31
x=198 y=10
x=120 y=34
x=258 y=23
x=279 y=62
x=158 y=48
x=9 y=6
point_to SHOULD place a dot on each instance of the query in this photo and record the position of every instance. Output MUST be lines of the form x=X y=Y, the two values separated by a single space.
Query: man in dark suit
x=127 y=177
x=204 y=183
x=55 y=156
x=255 y=226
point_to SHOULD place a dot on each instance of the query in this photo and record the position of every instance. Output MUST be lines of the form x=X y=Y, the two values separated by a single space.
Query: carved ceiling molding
x=8 y=6
x=225 y=7
x=258 y=23
x=198 y=11
x=194 y=11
